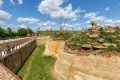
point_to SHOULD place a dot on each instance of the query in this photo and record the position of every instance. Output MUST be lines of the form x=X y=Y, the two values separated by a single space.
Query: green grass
x=37 y=67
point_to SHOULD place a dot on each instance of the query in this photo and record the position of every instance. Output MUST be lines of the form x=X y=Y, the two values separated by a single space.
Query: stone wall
x=17 y=58
x=94 y=67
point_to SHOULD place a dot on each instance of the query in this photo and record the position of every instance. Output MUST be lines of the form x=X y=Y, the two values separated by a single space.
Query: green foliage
x=2 y=33
x=110 y=48
x=22 y=32
x=9 y=33
x=30 y=31
x=102 y=32
x=118 y=47
x=108 y=37
x=118 y=29
x=77 y=40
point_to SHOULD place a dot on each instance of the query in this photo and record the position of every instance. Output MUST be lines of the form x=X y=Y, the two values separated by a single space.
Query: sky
x=47 y=14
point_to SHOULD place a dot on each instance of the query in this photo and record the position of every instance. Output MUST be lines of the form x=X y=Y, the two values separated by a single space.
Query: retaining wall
x=17 y=58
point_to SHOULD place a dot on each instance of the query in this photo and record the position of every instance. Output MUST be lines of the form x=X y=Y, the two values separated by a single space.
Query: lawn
x=37 y=67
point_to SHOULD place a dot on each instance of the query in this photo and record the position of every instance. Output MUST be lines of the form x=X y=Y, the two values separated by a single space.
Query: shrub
x=77 y=40
x=110 y=48
x=118 y=47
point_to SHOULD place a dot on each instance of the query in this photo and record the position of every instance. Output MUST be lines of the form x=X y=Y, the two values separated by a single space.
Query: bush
x=110 y=48
x=22 y=32
x=77 y=40
x=118 y=47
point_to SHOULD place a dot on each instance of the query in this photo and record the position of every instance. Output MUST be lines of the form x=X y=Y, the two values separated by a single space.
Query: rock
x=86 y=46
x=101 y=40
x=109 y=44
x=99 y=47
x=94 y=35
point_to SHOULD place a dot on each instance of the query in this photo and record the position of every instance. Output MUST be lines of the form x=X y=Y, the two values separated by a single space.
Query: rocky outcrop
x=53 y=48
x=93 y=67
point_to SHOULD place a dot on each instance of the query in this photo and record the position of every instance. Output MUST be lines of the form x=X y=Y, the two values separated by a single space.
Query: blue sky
x=45 y=14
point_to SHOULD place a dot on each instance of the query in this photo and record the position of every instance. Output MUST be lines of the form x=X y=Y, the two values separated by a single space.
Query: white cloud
x=20 y=1
x=83 y=10
x=4 y=15
x=71 y=25
x=27 y=20
x=1 y=2
x=107 y=8
x=54 y=9
x=92 y=16
x=12 y=1
x=22 y=26
x=46 y=24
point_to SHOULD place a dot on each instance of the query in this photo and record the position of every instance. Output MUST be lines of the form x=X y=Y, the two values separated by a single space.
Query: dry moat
x=91 y=54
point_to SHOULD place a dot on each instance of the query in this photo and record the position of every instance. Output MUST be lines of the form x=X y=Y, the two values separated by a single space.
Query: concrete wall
x=94 y=67
x=17 y=58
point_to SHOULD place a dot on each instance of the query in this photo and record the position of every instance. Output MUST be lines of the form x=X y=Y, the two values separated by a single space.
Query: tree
x=10 y=32
x=22 y=32
x=30 y=31
x=2 y=33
